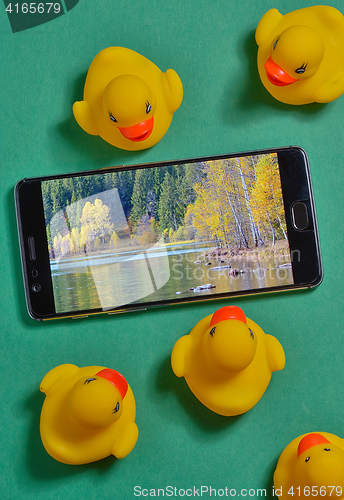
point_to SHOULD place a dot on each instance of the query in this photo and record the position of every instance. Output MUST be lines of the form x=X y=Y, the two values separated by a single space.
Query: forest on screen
x=235 y=202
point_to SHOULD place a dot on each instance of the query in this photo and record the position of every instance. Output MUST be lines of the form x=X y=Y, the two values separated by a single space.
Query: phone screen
x=150 y=235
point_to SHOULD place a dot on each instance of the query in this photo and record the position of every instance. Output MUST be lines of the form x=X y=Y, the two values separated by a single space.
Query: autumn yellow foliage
x=239 y=202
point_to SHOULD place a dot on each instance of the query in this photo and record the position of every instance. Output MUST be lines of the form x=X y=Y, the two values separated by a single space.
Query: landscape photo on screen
x=160 y=233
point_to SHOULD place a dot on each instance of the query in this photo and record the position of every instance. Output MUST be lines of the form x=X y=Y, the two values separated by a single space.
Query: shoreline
x=280 y=250
x=222 y=255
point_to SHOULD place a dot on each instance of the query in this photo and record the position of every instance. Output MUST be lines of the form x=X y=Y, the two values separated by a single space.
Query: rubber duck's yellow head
x=319 y=462
x=96 y=401
x=129 y=105
x=229 y=343
x=296 y=54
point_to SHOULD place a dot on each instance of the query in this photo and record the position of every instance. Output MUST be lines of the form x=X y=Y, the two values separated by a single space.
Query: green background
x=210 y=43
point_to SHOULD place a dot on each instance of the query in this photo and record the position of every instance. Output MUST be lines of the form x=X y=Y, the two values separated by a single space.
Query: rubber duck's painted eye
x=212 y=331
x=89 y=380
x=307 y=459
x=301 y=70
x=275 y=43
x=327 y=449
x=252 y=334
x=112 y=118
x=116 y=409
x=148 y=107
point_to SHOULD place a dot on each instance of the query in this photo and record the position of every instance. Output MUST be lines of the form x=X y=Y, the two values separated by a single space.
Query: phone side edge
x=22 y=252
x=320 y=276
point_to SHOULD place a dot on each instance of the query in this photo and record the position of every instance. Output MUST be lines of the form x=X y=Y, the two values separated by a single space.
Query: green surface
x=225 y=109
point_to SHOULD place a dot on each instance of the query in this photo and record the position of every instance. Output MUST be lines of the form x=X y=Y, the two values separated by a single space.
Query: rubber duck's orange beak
x=228 y=312
x=114 y=378
x=276 y=75
x=138 y=132
x=311 y=440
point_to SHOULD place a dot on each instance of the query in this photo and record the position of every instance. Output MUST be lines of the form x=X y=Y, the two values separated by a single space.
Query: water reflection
x=158 y=274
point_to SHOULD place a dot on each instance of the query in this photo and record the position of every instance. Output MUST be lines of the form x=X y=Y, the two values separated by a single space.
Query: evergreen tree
x=167 y=203
x=139 y=197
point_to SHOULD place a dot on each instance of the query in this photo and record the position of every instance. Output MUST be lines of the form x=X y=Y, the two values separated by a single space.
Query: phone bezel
x=296 y=186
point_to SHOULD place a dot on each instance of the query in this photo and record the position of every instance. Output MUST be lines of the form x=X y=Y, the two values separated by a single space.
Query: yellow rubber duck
x=128 y=101
x=301 y=54
x=227 y=361
x=88 y=414
x=311 y=465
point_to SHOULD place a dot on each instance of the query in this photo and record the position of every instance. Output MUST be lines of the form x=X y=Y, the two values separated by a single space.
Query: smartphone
x=134 y=237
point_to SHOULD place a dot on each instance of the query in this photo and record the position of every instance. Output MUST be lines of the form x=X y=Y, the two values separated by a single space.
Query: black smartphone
x=133 y=237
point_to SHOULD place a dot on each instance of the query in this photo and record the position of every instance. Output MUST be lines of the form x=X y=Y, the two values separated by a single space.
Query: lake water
x=112 y=280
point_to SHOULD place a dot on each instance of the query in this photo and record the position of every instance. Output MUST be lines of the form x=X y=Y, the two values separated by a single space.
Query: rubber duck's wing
x=180 y=354
x=275 y=353
x=330 y=17
x=281 y=477
x=126 y=441
x=85 y=117
x=57 y=374
x=173 y=90
x=331 y=90
x=267 y=25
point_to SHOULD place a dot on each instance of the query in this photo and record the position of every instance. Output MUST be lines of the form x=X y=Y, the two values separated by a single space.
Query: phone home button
x=300 y=216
